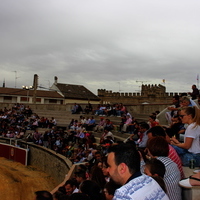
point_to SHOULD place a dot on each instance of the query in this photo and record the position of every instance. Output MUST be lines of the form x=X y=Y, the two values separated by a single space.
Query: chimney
x=35 y=81
x=4 y=84
x=55 y=80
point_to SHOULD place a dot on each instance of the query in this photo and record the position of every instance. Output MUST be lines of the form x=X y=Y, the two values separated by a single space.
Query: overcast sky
x=101 y=44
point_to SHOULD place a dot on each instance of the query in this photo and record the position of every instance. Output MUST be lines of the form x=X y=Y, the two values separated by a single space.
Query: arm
x=186 y=145
x=172 y=108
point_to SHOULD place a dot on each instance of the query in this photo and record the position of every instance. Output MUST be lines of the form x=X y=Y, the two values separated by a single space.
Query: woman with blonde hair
x=189 y=150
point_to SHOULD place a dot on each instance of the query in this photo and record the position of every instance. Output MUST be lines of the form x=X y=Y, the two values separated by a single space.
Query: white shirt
x=194 y=133
x=140 y=188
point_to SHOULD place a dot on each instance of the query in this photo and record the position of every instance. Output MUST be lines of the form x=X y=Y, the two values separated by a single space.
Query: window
x=7 y=98
x=52 y=101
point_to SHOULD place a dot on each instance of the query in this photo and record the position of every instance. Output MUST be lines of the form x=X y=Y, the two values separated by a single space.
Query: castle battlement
x=149 y=93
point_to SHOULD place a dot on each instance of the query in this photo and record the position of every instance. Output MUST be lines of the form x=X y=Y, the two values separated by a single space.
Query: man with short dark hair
x=70 y=186
x=142 y=141
x=43 y=195
x=124 y=169
x=80 y=176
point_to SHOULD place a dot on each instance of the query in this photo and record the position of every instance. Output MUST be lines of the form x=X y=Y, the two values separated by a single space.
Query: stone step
x=63 y=118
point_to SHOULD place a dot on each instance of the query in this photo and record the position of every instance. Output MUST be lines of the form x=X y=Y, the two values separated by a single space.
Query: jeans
x=186 y=156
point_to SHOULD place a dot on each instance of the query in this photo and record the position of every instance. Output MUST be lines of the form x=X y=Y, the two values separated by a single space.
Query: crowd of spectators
x=95 y=179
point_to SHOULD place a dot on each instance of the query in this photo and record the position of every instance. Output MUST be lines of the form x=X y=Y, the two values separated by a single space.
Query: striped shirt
x=171 y=178
x=175 y=157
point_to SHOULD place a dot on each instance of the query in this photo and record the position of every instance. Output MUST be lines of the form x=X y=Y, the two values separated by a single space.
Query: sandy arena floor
x=19 y=182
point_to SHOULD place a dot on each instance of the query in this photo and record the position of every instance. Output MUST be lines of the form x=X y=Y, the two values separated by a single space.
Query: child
x=156 y=169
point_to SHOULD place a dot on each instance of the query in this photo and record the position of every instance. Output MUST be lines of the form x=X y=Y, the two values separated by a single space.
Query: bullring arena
x=45 y=170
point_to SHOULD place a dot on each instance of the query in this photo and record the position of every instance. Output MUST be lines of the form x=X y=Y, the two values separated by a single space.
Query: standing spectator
x=195 y=92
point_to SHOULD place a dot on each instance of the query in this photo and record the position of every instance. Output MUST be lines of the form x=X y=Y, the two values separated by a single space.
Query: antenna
x=141 y=81
x=119 y=87
x=16 y=78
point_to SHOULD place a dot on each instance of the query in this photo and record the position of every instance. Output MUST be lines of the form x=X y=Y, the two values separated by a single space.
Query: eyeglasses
x=181 y=116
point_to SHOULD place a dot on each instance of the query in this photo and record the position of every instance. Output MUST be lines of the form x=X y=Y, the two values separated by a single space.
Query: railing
x=56 y=165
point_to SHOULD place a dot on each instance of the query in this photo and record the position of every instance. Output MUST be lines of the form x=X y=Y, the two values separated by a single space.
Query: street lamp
x=27 y=88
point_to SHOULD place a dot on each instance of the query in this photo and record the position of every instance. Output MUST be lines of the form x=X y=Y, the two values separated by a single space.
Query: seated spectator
x=133 y=126
x=70 y=186
x=176 y=128
x=96 y=157
x=79 y=109
x=105 y=169
x=124 y=169
x=58 y=145
x=88 y=108
x=74 y=109
x=152 y=121
x=100 y=125
x=173 y=110
x=37 y=137
x=121 y=110
x=98 y=176
x=109 y=189
x=34 y=125
x=185 y=102
x=79 y=196
x=52 y=122
x=156 y=169
x=105 y=135
x=159 y=131
x=108 y=110
x=158 y=148
x=142 y=134
x=82 y=120
x=108 y=125
x=123 y=120
x=91 y=189
x=71 y=123
x=101 y=111
x=135 y=133
x=126 y=124
x=80 y=176
x=39 y=195
x=190 y=148
x=91 y=124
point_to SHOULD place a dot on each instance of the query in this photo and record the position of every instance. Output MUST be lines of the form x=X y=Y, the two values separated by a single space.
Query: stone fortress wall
x=149 y=94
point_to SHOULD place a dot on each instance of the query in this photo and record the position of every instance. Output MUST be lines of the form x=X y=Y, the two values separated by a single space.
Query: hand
x=174 y=141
